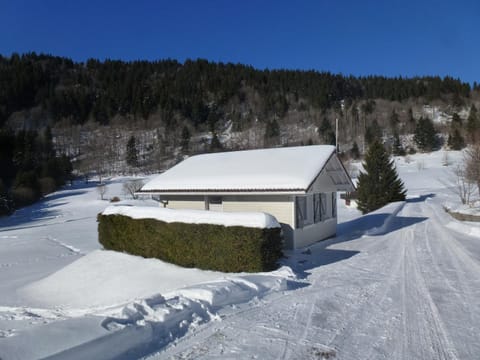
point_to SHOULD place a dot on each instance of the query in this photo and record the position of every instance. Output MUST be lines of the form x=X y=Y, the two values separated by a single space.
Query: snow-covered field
x=400 y=283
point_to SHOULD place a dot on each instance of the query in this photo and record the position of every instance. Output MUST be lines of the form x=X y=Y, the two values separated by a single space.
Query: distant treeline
x=29 y=168
x=197 y=90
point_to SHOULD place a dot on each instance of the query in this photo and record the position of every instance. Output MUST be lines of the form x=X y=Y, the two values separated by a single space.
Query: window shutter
x=323 y=203
x=317 y=215
x=299 y=211
x=334 y=204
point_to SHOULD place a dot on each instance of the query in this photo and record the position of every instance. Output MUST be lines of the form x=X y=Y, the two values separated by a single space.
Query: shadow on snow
x=376 y=224
x=43 y=209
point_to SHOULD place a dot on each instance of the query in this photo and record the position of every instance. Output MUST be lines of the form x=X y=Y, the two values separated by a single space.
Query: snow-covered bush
x=204 y=246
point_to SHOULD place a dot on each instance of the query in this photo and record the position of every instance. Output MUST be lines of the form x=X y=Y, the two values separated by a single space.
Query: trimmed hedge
x=204 y=246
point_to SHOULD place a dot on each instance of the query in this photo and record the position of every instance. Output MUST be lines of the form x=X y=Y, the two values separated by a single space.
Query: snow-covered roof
x=278 y=169
x=248 y=219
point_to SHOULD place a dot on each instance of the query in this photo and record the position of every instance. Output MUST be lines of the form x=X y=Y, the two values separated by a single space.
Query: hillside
x=174 y=109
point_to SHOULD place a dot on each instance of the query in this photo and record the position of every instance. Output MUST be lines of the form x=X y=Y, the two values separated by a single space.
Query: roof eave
x=223 y=192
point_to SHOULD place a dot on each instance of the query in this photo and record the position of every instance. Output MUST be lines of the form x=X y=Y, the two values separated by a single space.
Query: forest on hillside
x=196 y=90
x=116 y=117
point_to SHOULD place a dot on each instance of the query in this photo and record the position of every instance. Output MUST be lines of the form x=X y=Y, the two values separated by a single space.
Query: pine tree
x=425 y=135
x=397 y=148
x=380 y=184
x=215 y=144
x=394 y=120
x=355 y=151
x=326 y=132
x=456 y=140
x=185 y=138
x=410 y=121
x=132 y=152
x=472 y=124
x=373 y=133
x=272 y=132
x=456 y=120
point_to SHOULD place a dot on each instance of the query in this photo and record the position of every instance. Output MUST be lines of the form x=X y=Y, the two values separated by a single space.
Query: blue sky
x=361 y=37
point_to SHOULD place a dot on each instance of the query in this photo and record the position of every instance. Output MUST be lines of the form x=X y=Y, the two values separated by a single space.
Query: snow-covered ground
x=400 y=283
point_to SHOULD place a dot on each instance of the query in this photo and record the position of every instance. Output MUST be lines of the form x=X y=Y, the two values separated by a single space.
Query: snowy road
x=412 y=292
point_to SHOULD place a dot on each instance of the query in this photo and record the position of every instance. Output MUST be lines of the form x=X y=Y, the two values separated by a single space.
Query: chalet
x=297 y=185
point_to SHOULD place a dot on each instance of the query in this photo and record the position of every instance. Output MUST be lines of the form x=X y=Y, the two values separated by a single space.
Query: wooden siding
x=185 y=202
x=279 y=206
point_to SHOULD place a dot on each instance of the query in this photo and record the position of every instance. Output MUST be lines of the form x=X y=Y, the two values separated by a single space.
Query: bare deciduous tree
x=465 y=187
x=472 y=164
x=445 y=159
x=102 y=190
x=132 y=186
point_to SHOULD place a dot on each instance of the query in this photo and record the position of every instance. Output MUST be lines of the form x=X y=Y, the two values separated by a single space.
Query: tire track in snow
x=66 y=246
x=367 y=318
x=72 y=251
x=461 y=274
x=426 y=328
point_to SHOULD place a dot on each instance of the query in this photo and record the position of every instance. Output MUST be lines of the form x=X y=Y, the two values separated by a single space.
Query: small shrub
x=205 y=246
x=47 y=185
x=114 y=199
x=23 y=196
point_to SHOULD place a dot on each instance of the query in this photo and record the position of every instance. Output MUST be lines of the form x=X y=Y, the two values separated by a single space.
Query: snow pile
x=138 y=303
x=238 y=290
x=104 y=278
x=247 y=219
x=468 y=209
x=107 y=278
x=290 y=168
x=465 y=228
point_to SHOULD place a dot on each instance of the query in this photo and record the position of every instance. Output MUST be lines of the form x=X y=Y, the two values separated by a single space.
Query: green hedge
x=204 y=246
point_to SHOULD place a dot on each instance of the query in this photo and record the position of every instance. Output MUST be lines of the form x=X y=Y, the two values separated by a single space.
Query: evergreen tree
x=5 y=202
x=132 y=152
x=215 y=144
x=397 y=148
x=326 y=132
x=354 y=151
x=185 y=138
x=48 y=149
x=425 y=135
x=380 y=184
x=410 y=121
x=394 y=120
x=373 y=133
x=456 y=140
x=473 y=124
x=456 y=120
x=272 y=132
